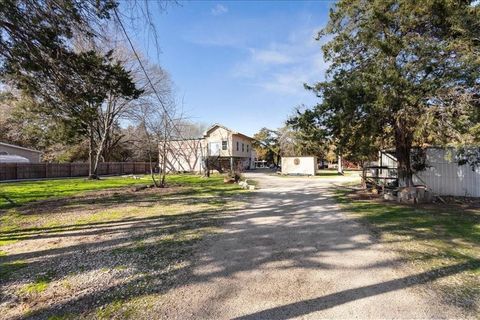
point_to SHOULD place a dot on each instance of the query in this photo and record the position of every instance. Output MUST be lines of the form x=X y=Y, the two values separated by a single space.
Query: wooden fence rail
x=21 y=171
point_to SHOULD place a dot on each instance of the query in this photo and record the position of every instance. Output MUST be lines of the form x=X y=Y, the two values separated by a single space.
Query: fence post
x=46 y=169
x=16 y=171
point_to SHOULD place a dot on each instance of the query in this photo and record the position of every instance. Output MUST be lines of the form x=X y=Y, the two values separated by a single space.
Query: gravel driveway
x=292 y=253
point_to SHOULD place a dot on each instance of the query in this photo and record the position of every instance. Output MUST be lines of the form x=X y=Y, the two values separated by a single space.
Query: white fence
x=443 y=175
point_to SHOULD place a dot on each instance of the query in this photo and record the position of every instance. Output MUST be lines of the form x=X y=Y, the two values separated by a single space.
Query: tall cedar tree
x=36 y=36
x=37 y=56
x=401 y=71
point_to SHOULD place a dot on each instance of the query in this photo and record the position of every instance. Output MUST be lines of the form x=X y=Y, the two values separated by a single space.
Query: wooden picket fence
x=22 y=171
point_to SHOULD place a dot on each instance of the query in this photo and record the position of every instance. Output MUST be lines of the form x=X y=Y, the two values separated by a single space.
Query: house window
x=248 y=147
x=237 y=145
x=224 y=145
x=243 y=147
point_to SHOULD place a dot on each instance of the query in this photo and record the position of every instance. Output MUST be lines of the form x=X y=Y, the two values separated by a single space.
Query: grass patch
x=15 y=225
x=334 y=173
x=39 y=285
x=125 y=309
x=8 y=268
x=428 y=237
x=6 y=242
x=141 y=239
x=22 y=192
x=62 y=317
x=114 y=309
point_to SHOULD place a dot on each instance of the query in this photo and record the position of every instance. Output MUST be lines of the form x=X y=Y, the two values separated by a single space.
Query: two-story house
x=222 y=148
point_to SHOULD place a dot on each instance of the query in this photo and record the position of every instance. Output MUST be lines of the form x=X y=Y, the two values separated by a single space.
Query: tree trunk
x=92 y=172
x=164 y=153
x=207 y=167
x=403 y=147
x=164 y=167
x=152 y=172
x=340 y=165
x=278 y=161
x=150 y=157
x=98 y=154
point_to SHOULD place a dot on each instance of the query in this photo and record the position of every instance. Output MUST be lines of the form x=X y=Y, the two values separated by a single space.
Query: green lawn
x=334 y=173
x=428 y=238
x=23 y=192
x=104 y=255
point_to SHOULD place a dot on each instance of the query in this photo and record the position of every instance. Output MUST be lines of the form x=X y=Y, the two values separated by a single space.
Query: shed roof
x=18 y=147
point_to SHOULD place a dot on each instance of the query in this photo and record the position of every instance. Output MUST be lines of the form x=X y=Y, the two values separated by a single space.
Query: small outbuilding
x=306 y=166
x=13 y=153
x=443 y=174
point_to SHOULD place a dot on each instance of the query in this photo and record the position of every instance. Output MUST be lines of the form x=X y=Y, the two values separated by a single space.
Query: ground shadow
x=305 y=307
x=296 y=236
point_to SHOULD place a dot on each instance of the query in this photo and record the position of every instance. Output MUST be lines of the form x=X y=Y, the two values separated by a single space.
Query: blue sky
x=241 y=63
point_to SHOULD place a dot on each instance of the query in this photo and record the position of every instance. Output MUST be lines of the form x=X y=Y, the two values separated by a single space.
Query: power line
x=146 y=74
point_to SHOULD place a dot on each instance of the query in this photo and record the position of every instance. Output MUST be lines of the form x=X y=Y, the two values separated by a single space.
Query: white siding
x=444 y=176
x=214 y=140
x=305 y=166
x=185 y=155
x=244 y=146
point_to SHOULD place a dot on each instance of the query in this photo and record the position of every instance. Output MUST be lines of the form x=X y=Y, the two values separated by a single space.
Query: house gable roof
x=217 y=125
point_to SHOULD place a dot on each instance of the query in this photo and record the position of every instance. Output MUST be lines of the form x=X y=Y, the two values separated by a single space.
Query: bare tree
x=157 y=116
x=152 y=113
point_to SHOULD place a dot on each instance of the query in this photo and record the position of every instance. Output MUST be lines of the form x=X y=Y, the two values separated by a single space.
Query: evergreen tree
x=401 y=72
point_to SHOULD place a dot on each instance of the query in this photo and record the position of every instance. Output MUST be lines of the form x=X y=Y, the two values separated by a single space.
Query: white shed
x=443 y=173
x=299 y=165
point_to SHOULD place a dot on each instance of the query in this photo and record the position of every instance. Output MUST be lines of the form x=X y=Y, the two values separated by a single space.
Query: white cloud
x=280 y=66
x=218 y=10
x=262 y=62
x=290 y=82
x=284 y=67
x=214 y=40
x=269 y=56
